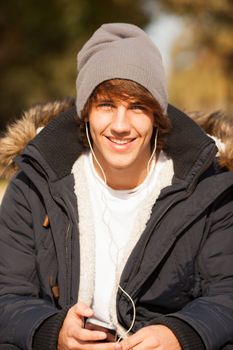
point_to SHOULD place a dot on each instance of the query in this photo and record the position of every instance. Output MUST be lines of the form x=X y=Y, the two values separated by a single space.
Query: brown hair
x=220 y=125
x=128 y=90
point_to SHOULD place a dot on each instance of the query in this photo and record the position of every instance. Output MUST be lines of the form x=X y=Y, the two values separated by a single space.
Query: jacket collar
x=188 y=145
x=192 y=152
x=59 y=143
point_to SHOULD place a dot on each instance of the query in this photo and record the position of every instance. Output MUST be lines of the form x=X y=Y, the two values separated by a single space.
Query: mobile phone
x=98 y=325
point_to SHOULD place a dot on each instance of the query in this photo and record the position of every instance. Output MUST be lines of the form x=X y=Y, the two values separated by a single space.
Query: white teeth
x=120 y=142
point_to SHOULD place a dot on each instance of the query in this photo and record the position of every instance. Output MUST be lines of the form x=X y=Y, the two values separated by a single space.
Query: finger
x=124 y=345
x=118 y=346
x=130 y=342
x=90 y=335
x=98 y=346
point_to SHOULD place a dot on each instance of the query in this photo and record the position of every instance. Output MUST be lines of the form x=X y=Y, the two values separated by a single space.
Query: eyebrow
x=103 y=99
x=136 y=102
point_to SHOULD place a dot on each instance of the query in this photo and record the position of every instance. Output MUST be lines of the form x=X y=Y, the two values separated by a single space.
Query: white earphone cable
x=153 y=152
x=108 y=226
x=93 y=153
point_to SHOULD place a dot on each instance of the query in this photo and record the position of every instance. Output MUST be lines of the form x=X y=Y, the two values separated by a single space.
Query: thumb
x=83 y=309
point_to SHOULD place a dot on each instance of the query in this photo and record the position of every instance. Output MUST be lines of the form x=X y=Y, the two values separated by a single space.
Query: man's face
x=121 y=132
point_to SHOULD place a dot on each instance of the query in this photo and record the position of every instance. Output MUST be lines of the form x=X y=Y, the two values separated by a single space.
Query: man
x=116 y=233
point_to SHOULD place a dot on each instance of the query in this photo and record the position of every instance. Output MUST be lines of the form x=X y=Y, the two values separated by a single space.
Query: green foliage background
x=202 y=76
x=40 y=40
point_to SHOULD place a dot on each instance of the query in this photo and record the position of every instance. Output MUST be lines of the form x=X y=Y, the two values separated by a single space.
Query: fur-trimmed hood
x=19 y=133
x=218 y=125
x=22 y=131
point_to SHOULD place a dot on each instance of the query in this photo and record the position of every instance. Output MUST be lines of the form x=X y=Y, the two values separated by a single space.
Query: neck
x=122 y=179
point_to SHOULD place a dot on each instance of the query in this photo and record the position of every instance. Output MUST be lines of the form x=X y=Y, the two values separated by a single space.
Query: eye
x=105 y=105
x=137 y=107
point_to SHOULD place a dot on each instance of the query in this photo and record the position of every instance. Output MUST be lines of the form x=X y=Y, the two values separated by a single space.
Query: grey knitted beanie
x=123 y=51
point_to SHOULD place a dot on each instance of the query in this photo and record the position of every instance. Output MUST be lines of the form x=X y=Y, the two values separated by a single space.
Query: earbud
x=93 y=153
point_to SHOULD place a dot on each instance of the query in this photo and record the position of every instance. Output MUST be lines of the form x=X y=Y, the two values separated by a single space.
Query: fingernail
x=118 y=346
x=102 y=336
x=88 y=311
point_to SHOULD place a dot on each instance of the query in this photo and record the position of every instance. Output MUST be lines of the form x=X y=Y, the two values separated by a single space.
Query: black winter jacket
x=180 y=273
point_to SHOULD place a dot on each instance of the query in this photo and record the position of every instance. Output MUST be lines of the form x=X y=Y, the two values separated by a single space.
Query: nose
x=120 y=123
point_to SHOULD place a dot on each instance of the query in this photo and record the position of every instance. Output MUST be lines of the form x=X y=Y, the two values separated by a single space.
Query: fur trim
x=218 y=125
x=86 y=234
x=226 y=156
x=19 y=133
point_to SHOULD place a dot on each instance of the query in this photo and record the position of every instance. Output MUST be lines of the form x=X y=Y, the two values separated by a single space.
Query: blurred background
x=40 y=40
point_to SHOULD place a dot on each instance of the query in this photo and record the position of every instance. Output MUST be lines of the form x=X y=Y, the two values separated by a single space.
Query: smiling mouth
x=120 y=141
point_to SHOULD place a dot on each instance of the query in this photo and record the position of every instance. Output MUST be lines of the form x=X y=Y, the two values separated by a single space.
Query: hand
x=156 y=337
x=73 y=335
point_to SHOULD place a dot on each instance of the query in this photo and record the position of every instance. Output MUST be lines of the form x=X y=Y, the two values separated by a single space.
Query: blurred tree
x=39 y=43
x=203 y=57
